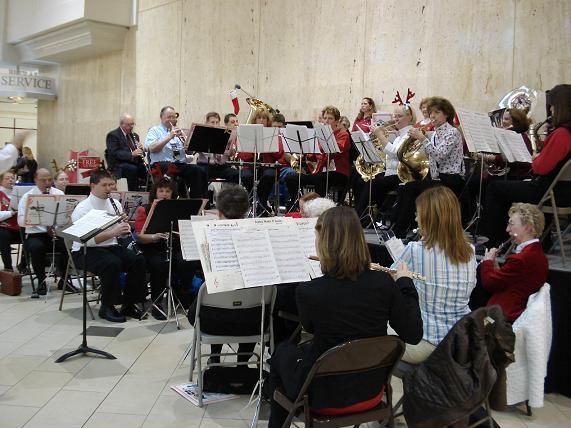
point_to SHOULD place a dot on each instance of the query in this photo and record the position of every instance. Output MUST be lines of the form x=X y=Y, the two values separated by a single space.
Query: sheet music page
x=395 y=247
x=512 y=145
x=294 y=135
x=306 y=233
x=220 y=246
x=478 y=131
x=17 y=193
x=94 y=219
x=41 y=210
x=133 y=200
x=67 y=204
x=270 y=140
x=292 y=264
x=326 y=138
x=311 y=145
x=249 y=136
x=188 y=245
x=256 y=258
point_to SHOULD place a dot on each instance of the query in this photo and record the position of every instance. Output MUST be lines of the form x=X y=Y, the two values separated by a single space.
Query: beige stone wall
x=299 y=55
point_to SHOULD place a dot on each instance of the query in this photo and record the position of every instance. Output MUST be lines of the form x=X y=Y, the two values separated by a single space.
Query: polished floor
x=133 y=390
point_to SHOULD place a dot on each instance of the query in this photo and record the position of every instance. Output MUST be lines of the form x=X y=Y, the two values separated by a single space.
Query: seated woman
x=545 y=166
x=154 y=248
x=9 y=229
x=382 y=184
x=369 y=300
x=523 y=272
x=232 y=203
x=447 y=260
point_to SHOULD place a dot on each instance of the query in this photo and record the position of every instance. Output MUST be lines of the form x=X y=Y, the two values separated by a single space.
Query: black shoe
x=158 y=312
x=130 y=310
x=42 y=289
x=109 y=313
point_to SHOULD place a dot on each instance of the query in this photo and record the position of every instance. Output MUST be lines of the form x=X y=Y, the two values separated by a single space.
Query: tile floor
x=133 y=390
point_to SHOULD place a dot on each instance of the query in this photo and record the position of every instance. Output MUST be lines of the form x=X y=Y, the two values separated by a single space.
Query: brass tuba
x=413 y=161
x=257 y=105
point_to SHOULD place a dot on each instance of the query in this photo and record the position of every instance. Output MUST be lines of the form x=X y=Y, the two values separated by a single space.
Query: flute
x=378 y=267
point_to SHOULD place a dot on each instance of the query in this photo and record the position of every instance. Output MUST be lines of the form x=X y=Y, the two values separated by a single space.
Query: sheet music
x=270 y=137
x=326 y=138
x=188 y=244
x=133 y=200
x=256 y=258
x=478 y=131
x=67 y=204
x=250 y=138
x=294 y=135
x=94 y=219
x=395 y=247
x=292 y=264
x=221 y=248
x=512 y=145
x=365 y=147
x=306 y=233
x=311 y=145
x=17 y=193
x=41 y=210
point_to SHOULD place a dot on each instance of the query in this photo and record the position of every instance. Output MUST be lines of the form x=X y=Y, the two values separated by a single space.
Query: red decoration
x=398 y=99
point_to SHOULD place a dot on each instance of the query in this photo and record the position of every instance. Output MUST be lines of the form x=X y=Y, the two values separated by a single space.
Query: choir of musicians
x=350 y=300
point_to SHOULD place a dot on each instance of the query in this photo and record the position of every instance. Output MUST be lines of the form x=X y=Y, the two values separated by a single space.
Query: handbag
x=10 y=282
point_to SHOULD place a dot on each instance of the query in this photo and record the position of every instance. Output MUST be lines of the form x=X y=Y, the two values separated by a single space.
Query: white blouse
x=391 y=150
x=445 y=151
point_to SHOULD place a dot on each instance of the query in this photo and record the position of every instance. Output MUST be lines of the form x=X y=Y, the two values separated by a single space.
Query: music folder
x=307 y=123
x=165 y=212
x=208 y=139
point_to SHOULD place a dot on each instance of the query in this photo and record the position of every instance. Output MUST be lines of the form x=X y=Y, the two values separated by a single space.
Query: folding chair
x=236 y=300
x=375 y=356
x=548 y=205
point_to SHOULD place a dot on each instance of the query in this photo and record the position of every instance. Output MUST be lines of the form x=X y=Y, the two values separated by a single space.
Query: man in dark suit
x=124 y=155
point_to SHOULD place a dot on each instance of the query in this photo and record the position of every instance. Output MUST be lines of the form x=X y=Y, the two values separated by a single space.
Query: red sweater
x=518 y=278
x=342 y=162
x=556 y=148
x=364 y=124
x=12 y=222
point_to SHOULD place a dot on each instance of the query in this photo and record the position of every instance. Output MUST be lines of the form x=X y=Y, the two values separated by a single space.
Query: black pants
x=108 y=263
x=267 y=182
x=132 y=172
x=318 y=180
x=158 y=266
x=37 y=245
x=247 y=178
x=225 y=172
x=380 y=187
x=8 y=237
x=408 y=193
x=192 y=176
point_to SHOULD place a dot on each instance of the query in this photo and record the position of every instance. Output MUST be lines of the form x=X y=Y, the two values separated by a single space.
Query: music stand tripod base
x=84 y=349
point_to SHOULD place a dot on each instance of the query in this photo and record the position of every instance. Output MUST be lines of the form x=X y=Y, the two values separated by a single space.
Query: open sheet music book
x=255 y=252
x=188 y=246
x=92 y=223
x=365 y=147
x=512 y=145
x=50 y=210
x=478 y=131
x=256 y=138
x=326 y=138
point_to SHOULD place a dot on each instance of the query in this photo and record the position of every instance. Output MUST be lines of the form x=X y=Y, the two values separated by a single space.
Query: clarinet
x=126 y=241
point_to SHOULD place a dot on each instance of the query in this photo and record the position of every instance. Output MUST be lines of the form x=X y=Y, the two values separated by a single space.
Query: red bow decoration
x=157 y=171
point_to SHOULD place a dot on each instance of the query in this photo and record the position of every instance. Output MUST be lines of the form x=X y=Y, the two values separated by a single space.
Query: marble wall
x=299 y=55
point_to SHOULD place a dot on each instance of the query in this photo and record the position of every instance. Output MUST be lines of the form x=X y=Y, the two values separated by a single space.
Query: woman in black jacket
x=349 y=302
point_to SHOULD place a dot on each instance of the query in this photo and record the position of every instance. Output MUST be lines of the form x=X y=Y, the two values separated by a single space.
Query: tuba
x=257 y=105
x=413 y=161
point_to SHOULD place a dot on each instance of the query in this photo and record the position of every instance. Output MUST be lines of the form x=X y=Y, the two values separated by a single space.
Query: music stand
x=163 y=218
x=326 y=138
x=83 y=348
x=77 y=189
x=298 y=140
x=211 y=140
x=370 y=155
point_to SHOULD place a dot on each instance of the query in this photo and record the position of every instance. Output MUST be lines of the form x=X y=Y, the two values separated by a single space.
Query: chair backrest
x=236 y=299
x=564 y=174
x=376 y=356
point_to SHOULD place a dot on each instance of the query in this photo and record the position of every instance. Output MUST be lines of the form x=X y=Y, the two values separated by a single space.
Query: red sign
x=88 y=162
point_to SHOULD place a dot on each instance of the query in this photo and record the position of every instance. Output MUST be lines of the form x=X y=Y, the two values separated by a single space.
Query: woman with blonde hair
x=349 y=301
x=447 y=260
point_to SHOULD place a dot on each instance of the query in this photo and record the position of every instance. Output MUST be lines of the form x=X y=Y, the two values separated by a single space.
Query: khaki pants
x=414 y=354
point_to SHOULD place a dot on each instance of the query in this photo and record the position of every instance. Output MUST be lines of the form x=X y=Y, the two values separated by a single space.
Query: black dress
x=336 y=311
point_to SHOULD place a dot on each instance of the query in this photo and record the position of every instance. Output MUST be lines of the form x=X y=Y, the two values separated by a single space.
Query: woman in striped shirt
x=447 y=260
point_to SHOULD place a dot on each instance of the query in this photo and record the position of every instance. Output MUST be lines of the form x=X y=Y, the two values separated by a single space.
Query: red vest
x=12 y=222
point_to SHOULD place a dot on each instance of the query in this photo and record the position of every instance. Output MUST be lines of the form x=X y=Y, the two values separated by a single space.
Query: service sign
x=27 y=85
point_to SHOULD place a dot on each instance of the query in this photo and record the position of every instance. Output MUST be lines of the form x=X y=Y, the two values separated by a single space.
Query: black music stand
x=211 y=140
x=83 y=348
x=78 y=189
x=163 y=218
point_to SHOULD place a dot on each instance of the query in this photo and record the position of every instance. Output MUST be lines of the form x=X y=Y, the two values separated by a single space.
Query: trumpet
x=179 y=154
x=379 y=268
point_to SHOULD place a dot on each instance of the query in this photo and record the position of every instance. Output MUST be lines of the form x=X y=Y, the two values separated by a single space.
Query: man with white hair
x=124 y=153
